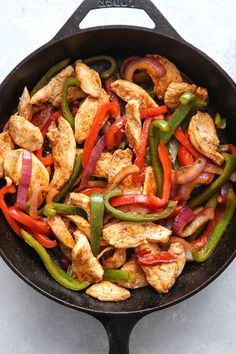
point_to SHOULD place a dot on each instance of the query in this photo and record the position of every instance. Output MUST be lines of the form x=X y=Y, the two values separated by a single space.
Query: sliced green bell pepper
x=71 y=81
x=96 y=220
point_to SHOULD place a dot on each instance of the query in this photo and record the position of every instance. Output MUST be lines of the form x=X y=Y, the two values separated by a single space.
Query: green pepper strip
x=71 y=81
x=187 y=97
x=110 y=71
x=175 y=120
x=77 y=169
x=50 y=209
x=56 y=272
x=132 y=217
x=206 y=251
x=219 y=121
x=154 y=135
x=117 y=275
x=96 y=223
x=214 y=186
x=49 y=75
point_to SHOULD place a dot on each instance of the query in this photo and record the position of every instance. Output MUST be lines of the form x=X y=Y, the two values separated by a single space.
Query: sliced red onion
x=199 y=220
x=224 y=192
x=33 y=210
x=181 y=220
x=185 y=190
x=152 y=65
x=106 y=127
x=125 y=62
x=218 y=170
x=192 y=172
x=25 y=177
x=95 y=155
x=112 y=95
x=41 y=118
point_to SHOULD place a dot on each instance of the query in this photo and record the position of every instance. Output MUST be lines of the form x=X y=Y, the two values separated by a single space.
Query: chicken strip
x=86 y=113
x=52 y=92
x=61 y=231
x=117 y=260
x=82 y=224
x=107 y=291
x=129 y=91
x=63 y=150
x=102 y=165
x=12 y=166
x=138 y=279
x=149 y=184
x=203 y=136
x=25 y=108
x=176 y=89
x=172 y=75
x=6 y=144
x=80 y=200
x=84 y=265
x=127 y=234
x=89 y=79
x=25 y=134
x=133 y=126
x=162 y=277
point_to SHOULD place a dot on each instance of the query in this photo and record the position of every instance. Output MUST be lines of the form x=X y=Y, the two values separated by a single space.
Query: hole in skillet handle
x=72 y=26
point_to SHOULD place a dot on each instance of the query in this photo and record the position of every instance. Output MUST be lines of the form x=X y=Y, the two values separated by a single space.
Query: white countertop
x=32 y=324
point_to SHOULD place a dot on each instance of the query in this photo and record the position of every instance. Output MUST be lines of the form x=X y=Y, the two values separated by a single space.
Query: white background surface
x=33 y=324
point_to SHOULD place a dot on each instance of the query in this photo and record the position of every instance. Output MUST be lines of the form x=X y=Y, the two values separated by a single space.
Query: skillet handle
x=119 y=328
x=72 y=26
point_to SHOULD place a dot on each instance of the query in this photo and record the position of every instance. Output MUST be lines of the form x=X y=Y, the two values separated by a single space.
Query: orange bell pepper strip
x=111 y=135
x=152 y=112
x=3 y=206
x=101 y=115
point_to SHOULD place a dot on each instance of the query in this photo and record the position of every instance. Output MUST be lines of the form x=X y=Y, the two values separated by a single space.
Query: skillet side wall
x=120 y=42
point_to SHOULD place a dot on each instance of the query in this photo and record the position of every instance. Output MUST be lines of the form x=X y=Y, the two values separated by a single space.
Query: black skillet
x=71 y=41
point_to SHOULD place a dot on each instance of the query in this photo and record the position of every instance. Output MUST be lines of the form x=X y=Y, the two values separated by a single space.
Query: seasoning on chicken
x=84 y=265
x=107 y=291
x=172 y=75
x=138 y=279
x=82 y=224
x=175 y=90
x=25 y=134
x=126 y=234
x=129 y=91
x=89 y=79
x=25 y=108
x=39 y=176
x=80 y=200
x=86 y=113
x=52 y=92
x=6 y=144
x=117 y=260
x=63 y=145
x=103 y=165
x=149 y=184
x=61 y=231
x=202 y=133
x=133 y=126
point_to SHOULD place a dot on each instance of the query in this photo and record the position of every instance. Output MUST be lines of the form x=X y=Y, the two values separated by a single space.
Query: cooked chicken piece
x=117 y=260
x=129 y=91
x=121 y=159
x=202 y=133
x=66 y=251
x=149 y=185
x=25 y=134
x=107 y=291
x=176 y=89
x=138 y=279
x=103 y=165
x=172 y=75
x=127 y=234
x=12 y=166
x=84 y=265
x=25 y=107
x=61 y=231
x=86 y=113
x=162 y=277
x=63 y=150
x=89 y=79
x=6 y=144
x=53 y=90
x=80 y=200
x=82 y=224
x=133 y=126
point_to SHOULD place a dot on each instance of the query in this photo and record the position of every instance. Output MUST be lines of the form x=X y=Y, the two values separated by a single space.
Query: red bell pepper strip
x=166 y=164
x=111 y=135
x=44 y=240
x=31 y=224
x=114 y=110
x=185 y=158
x=151 y=112
x=233 y=150
x=141 y=253
x=156 y=259
x=184 y=140
x=141 y=153
x=90 y=191
x=3 y=206
x=149 y=201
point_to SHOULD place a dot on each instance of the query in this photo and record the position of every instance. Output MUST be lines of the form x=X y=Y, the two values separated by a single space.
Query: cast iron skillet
x=71 y=41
